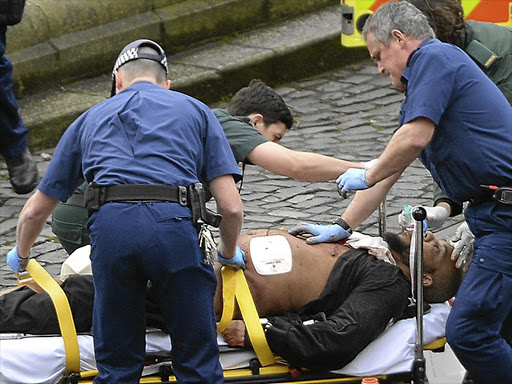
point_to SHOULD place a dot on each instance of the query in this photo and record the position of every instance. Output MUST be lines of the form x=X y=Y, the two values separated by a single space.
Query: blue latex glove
x=238 y=261
x=14 y=260
x=353 y=179
x=321 y=233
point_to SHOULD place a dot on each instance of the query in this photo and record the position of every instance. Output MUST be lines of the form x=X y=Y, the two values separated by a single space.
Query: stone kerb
x=59 y=41
x=44 y=20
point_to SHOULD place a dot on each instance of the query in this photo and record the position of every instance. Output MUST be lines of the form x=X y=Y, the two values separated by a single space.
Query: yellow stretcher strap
x=234 y=285
x=228 y=297
x=64 y=316
x=436 y=344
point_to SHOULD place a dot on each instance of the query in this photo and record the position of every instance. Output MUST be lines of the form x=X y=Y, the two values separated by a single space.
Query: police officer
x=140 y=151
x=460 y=125
x=255 y=121
x=22 y=168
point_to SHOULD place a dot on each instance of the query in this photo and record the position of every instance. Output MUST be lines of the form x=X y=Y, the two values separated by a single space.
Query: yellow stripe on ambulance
x=355 y=12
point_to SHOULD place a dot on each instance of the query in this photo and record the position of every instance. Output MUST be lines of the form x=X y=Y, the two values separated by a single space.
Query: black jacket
x=361 y=297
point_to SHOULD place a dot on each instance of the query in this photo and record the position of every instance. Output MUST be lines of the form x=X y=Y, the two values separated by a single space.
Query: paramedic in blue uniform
x=138 y=149
x=490 y=46
x=460 y=125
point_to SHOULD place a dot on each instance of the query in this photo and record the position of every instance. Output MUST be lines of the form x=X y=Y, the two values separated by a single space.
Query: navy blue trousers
x=479 y=327
x=13 y=133
x=131 y=245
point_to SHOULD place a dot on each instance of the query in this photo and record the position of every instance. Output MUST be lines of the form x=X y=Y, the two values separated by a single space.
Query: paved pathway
x=348 y=113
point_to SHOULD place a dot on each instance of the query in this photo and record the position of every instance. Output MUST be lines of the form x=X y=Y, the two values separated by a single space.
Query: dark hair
x=445 y=284
x=446 y=17
x=258 y=97
x=444 y=288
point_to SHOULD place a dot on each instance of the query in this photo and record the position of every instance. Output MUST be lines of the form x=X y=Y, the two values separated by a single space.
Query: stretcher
x=396 y=356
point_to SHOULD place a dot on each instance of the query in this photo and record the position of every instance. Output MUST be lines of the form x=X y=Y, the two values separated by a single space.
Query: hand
x=14 y=260
x=464 y=242
x=352 y=180
x=237 y=261
x=235 y=333
x=436 y=216
x=321 y=233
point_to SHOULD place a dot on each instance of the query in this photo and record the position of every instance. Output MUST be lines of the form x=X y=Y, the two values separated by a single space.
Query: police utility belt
x=193 y=196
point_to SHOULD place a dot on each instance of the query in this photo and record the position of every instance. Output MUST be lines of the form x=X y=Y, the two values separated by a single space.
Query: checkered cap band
x=131 y=52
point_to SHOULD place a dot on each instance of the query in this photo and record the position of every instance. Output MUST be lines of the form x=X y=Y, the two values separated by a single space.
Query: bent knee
x=464 y=335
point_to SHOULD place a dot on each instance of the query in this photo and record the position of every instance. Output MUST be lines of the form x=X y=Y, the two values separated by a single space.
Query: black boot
x=23 y=172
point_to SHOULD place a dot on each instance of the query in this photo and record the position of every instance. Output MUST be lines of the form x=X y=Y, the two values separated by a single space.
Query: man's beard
x=397 y=246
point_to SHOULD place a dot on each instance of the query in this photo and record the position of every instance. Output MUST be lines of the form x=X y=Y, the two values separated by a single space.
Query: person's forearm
x=229 y=230
x=308 y=166
x=403 y=148
x=229 y=205
x=367 y=201
x=441 y=199
x=32 y=220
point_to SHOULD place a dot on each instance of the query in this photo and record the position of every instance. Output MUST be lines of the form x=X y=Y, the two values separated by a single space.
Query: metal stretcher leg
x=418 y=375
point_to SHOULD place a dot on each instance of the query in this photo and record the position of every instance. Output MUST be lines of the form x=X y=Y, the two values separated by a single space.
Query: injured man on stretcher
x=325 y=303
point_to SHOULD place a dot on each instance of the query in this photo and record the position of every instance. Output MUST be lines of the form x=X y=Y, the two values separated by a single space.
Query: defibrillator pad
x=271 y=255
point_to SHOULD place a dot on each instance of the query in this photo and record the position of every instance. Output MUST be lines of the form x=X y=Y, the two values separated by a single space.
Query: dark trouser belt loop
x=182 y=195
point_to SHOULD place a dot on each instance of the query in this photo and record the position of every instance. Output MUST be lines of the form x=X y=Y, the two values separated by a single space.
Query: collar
x=139 y=85
x=424 y=43
x=405 y=78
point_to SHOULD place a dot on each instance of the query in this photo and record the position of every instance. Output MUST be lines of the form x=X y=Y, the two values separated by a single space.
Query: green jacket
x=498 y=39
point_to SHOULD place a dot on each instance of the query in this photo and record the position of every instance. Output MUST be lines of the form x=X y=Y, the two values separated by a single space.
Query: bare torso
x=285 y=292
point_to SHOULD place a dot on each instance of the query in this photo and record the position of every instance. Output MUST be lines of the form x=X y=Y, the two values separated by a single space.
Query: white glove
x=436 y=216
x=369 y=164
x=464 y=243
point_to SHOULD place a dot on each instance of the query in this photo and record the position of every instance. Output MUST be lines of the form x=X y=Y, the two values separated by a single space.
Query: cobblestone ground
x=348 y=113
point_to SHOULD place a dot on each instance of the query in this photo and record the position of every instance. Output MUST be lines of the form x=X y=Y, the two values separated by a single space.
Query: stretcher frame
x=266 y=368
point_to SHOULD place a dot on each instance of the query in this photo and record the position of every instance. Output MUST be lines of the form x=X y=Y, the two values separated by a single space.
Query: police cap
x=131 y=52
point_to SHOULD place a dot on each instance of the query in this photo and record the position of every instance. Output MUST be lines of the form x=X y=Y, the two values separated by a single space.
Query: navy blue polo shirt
x=472 y=142
x=143 y=135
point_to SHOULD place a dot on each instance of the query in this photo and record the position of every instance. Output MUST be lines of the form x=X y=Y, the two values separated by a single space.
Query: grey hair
x=400 y=15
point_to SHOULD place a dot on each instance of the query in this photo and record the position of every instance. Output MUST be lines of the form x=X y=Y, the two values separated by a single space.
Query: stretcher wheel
x=165 y=371
x=72 y=378
x=254 y=366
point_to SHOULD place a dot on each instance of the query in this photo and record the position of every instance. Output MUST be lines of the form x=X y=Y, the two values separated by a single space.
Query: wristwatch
x=343 y=224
